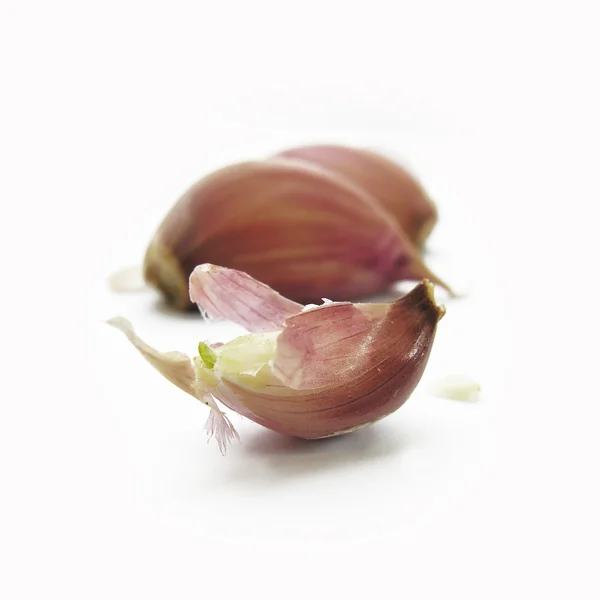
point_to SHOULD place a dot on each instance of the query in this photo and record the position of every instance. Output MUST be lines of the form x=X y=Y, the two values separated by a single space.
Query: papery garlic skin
x=177 y=368
x=309 y=373
x=398 y=191
x=226 y=294
x=300 y=229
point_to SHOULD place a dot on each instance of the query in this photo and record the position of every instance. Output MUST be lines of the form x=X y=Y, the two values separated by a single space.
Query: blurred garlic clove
x=300 y=229
x=392 y=185
x=328 y=370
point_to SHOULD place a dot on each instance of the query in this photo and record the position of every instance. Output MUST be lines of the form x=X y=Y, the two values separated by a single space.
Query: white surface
x=109 y=487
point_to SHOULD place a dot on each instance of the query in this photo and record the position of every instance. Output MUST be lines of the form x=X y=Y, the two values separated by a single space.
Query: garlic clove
x=330 y=370
x=298 y=228
x=380 y=372
x=227 y=294
x=392 y=185
x=323 y=346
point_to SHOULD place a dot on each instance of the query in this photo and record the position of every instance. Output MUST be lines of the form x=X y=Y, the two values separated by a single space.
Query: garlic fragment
x=457 y=387
x=311 y=374
x=300 y=229
x=126 y=280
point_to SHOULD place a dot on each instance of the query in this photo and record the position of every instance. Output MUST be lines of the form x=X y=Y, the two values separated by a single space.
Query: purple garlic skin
x=396 y=189
x=301 y=229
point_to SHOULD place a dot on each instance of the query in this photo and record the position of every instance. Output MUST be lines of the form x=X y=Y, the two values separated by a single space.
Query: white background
x=109 y=490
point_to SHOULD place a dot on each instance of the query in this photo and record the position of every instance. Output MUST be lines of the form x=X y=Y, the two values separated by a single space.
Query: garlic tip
x=430 y=295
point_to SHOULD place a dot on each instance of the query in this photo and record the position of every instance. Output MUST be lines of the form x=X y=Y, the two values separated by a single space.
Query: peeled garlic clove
x=393 y=186
x=302 y=230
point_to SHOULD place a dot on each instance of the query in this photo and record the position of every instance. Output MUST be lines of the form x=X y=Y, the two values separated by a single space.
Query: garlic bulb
x=309 y=372
x=302 y=230
x=388 y=182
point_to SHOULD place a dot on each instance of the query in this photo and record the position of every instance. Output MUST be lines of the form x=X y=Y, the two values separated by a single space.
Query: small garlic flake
x=308 y=307
x=127 y=280
x=457 y=387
